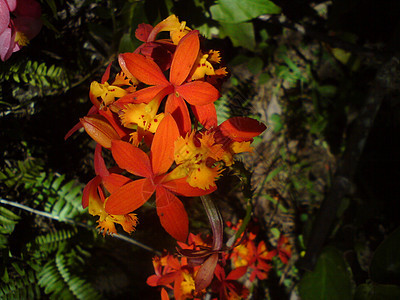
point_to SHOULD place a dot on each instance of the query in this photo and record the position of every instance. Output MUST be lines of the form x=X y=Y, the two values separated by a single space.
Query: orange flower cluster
x=246 y=261
x=143 y=117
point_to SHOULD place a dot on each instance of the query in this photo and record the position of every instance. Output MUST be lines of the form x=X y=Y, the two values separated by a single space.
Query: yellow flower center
x=241 y=259
x=106 y=92
x=179 y=33
x=21 y=39
x=187 y=285
x=106 y=222
x=195 y=157
x=203 y=68
x=142 y=115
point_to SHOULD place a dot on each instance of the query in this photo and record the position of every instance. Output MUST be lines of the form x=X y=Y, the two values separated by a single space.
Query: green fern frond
x=42 y=80
x=8 y=220
x=58 y=280
x=61 y=199
x=79 y=287
x=51 y=280
x=54 y=241
x=21 y=285
x=24 y=172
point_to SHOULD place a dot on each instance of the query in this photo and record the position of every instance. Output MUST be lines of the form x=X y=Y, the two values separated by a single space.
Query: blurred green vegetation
x=322 y=74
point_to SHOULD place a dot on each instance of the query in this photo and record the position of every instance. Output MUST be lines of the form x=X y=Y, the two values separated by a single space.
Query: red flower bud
x=100 y=130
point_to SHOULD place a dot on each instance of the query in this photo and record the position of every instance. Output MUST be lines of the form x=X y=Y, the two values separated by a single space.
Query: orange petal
x=113 y=120
x=167 y=24
x=129 y=197
x=184 y=57
x=237 y=273
x=90 y=191
x=76 y=127
x=178 y=109
x=142 y=68
x=206 y=114
x=131 y=158
x=172 y=214
x=198 y=92
x=241 y=128
x=92 y=110
x=143 y=31
x=162 y=148
x=106 y=74
x=146 y=95
x=99 y=164
x=100 y=130
x=164 y=294
x=114 y=181
x=182 y=187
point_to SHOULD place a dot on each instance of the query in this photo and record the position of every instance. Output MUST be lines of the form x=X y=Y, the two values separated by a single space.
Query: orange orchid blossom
x=93 y=197
x=135 y=193
x=199 y=94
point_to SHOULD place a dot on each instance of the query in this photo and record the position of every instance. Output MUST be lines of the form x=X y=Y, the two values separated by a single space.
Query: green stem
x=70 y=221
x=242 y=228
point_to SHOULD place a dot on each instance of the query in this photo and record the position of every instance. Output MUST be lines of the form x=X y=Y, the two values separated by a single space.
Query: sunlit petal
x=131 y=158
x=162 y=149
x=184 y=57
x=182 y=187
x=241 y=128
x=129 y=197
x=142 y=68
x=172 y=214
x=198 y=92
x=206 y=114
x=90 y=191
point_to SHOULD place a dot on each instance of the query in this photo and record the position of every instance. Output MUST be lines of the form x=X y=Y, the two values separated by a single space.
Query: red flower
x=228 y=287
x=197 y=93
x=134 y=194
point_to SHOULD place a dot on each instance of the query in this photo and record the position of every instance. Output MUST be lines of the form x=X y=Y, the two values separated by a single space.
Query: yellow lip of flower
x=192 y=154
x=106 y=92
x=187 y=285
x=178 y=33
x=203 y=68
x=106 y=222
x=21 y=39
x=143 y=115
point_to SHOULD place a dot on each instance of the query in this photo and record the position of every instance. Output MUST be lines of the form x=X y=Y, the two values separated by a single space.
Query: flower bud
x=100 y=130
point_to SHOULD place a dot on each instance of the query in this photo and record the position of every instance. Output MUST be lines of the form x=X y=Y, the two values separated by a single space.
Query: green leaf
x=126 y=44
x=263 y=78
x=330 y=279
x=277 y=121
x=241 y=35
x=236 y=11
x=255 y=65
x=377 y=292
x=385 y=264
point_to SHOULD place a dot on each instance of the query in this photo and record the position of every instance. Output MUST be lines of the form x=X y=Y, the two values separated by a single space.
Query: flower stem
x=216 y=222
x=72 y=222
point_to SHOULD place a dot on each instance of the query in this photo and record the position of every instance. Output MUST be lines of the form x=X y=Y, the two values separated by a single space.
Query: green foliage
x=331 y=278
x=241 y=35
x=42 y=80
x=385 y=264
x=236 y=11
x=22 y=285
x=60 y=279
x=373 y=291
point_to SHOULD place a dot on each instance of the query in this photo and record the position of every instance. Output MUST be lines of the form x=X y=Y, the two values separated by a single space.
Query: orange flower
x=196 y=93
x=135 y=193
x=93 y=197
